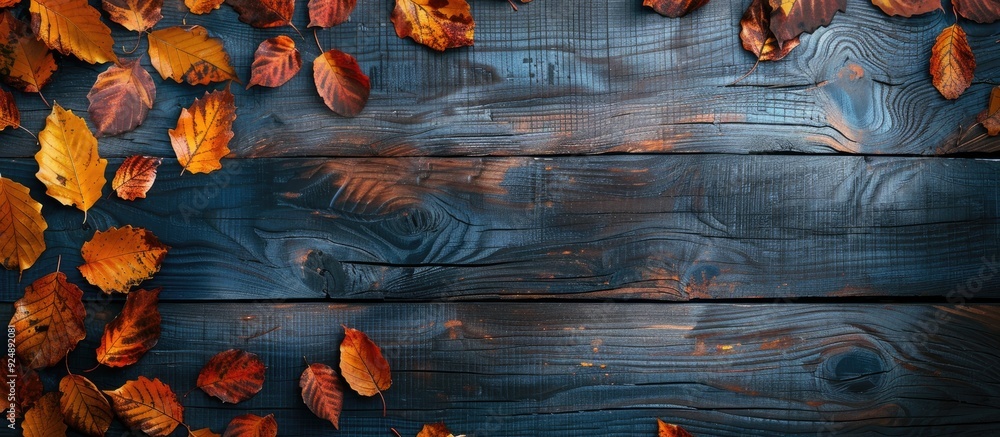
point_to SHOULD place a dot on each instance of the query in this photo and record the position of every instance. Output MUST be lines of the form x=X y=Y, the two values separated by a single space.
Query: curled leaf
x=340 y=82
x=362 y=364
x=201 y=138
x=671 y=430
x=147 y=405
x=27 y=62
x=252 y=425
x=73 y=27
x=120 y=98
x=329 y=13
x=674 y=8
x=45 y=418
x=48 y=321
x=322 y=392
x=438 y=24
x=135 y=177
x=83 y=406
x=264 y=13
x=907 y=8
x=22 y=226
x=133 y=332
x=68 y=163
x=952 y=63
x=120 y=258
x=756 y=35
x=980 y=11
x=275 y=62
x=791 y=18
x=199 y=7
x=134 y=15
x=233 y=376
x=189 y=54
x=10 y=116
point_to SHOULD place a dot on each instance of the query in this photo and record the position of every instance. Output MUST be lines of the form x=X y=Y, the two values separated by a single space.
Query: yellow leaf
x=147 y=405
x=21 y=226
x=189 y=54
x=73 y=27
x=120 y=258
x=48 y=321
x=438 y=24
x=68 y=163
x=203 y=131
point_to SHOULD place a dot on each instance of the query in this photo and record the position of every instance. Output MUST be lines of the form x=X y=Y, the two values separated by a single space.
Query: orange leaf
x=991 y=118
x=199 y=7
x=44 y=419
x=322 y=392
x=27 y=62
x=275 y=62
x=674 y=8
x=203 y=131
x=147 y=405
x=8 y=3
x=435 y=430
x=251 y=425
x=264 y=13
x=232 y=376
x=10 y=116
x=438 y=24
x=756 y=35
x=907 y=8
x=120 y=98
x=980 y=11
x=68 y=163
x=204 y=432
x=48 y=320
x=135 y=15
x=329 y=13
x=952 y=63
x=189 y=54
x=135 y=177
x=671 y=430
x=135 y=330
x=27 y=388
x=341 y=83
x=362 y=364
x=73 y=27
x=22 y=226
x=791 y=18
x=83 y=406
x=120 y=258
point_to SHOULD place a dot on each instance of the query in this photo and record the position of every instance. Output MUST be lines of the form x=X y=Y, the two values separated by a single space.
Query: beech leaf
x=48 y=321
x=22 y=226
x=264 y=13
x=671 y=430
x=340 y=82
x=147 y=405
x=674 y=8
x=756 y=35
x=10 y=116
x=189 y=54
x=233 y=376
x=27 y=62
x=120 y=258
x=120 y=98
x=203 y=131
x=438 y=24
x=45 y=418
x=68 y=162
x=204 y=432
x=251 y=425
x=275 y=62
x=791 y=18
x=329 y=13
x=83 y=406
x=73 y=27
x=907 y=8
x=134 y=15
x=435 y=430
x=980 y=11
x=199 y=7
x=363 y=366
x=322 y=392
x=952 y=63
x=133 y=332
x=135 y=177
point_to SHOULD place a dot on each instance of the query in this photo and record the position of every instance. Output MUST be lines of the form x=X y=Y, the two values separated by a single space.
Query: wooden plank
x=671 y=227
x=514 y=369
x=565 y=77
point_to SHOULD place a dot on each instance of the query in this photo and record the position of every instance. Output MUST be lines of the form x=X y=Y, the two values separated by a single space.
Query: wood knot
x=854 y=372
x=324 y=272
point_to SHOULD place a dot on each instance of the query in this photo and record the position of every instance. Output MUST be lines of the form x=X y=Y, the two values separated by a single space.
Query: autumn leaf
x=363 y=366
x=435 y=430
x=120 y=258
x=10 y=116
x=251 y=425
x=133 y=332
x=83 y=406
x=233 y=376
x=756 y=35
x=907 y=8
x=340 y=82
x=8 y=3
x=27 y=388
x=68 y=163
x=22 y=226
x=674 y=8
x=45 y=418
x=980 y=11
x=991 y=118
x=27 y=62
x=189 y=54
x=438 y=24
x=791 y=18
x=329 y=13
x=134 y=15
x=147 y=405
x=204 y=432
x=275 y=62
x=671 y=430
x=322 y=392
x=200 y=7
x=264 y=13
x=48 y=321
x=73 y=27
x=203 y=131
x=120 y=98
x=952 y=62
x=135 y=177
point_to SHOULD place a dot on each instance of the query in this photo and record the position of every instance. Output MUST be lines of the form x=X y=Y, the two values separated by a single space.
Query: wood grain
x=577 y=77
x=664 y=227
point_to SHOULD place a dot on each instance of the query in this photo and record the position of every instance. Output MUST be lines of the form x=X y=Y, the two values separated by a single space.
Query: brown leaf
x=907 y=8
x=135 y=177
x=120 y=258
x=120 y=98
x=134 y=15
x=952 y=62
x=83 y=406
x=991 y=118
x=45 y=418
x=48 y=321
x=8 y=3
x=204 y=432
x=200 y=7
x=435 y=430
x=28 y=388
x=322 y=392
x=22 y=226
x=671 y=430
x=203 y=131
x=362 y=364
x=233 y=376
x=27 y=62
x=264 y=13
x=791 y=18
x=340 y=82
x=147 y=405
x=756 y=35
x=133 y=332
x=251 y=425
x=68 y=162
x=275 y=62
x=10 y=116
x=329 y=13
x=73 y=27
x=189 y=54
x=438 y=24
x=674 y=8
x=980 y=11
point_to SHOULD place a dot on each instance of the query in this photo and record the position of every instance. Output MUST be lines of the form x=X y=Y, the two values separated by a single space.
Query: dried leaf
x=120 y=258
x=73 y=27
x=756 y=35
x=435 y=430
x=791 y=18
x=200 y=7
x=204 y=432
x=203 y=131
x=133 y=332
x=134 y=15
x=329 y=13
x=232 y=376
x=980 y=11
x=671 y=430
x=438 y=24
x=251 y=425
x=45 y=418
x=120 y=98
x=48 y=321
x=8 y=3
x=991 y=118
x=68 y=163
x=27 y=62
x=674 y=8
x=135 y=177
x=27 y=388
x=22 y=226
x=10 y=116
x=83 y=406
x=907 y=8
x=362 y=364
x=147 y=405
x=275 y=62
x=952 y=62
x=322 y=392
x=340 y=82
x=189 y=54
x=264 y=13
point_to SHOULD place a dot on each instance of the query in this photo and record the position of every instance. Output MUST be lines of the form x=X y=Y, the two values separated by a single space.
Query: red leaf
x=264 y=13
x=980 y=11
x=756 y=35
x=135 y=331
x=120 y=98
x=340 y=82
x=135 y=177
x=322 y=392
x=329 y=13
x=791 y=18
x=28 y=388
x=275 y=62
x=952 y=64
x=10 y=116
x=671 y=430
x=674 y=8
x=251 y=425
x=232 y=376
x=147 y=405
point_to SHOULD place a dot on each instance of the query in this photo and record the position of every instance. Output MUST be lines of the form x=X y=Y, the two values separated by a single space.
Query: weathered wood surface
x=516 y=369
x=670 y=227
x=570 y=77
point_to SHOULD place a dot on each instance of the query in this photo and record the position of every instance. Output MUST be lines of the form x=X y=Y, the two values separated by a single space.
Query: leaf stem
x=137 y=42
x=320 y=46
x=383 y=401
